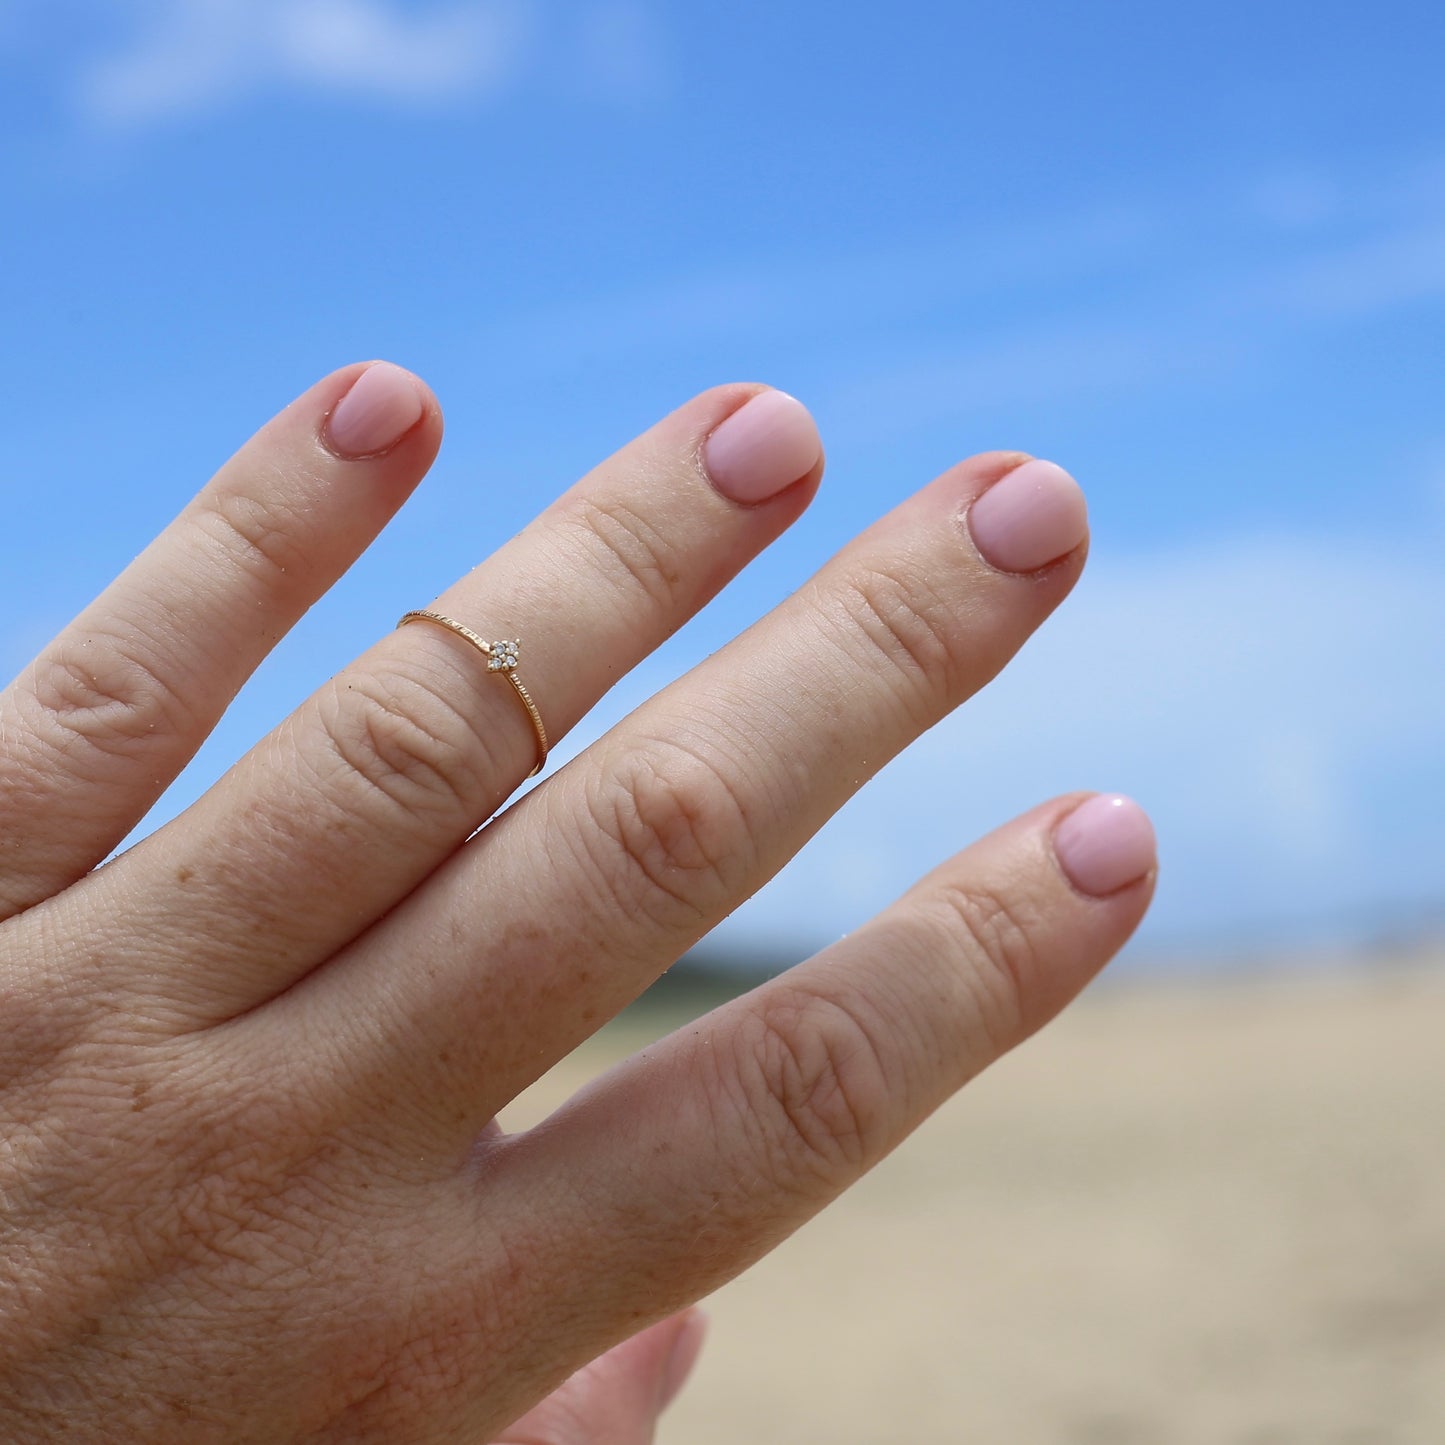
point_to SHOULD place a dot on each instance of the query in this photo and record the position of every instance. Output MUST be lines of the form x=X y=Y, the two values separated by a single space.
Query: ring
x=501 y=657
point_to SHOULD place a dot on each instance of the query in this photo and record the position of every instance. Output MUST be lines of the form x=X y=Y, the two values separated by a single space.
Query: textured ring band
x=501 y=657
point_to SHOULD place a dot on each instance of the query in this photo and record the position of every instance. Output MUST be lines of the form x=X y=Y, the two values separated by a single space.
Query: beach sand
x=1183 y=1213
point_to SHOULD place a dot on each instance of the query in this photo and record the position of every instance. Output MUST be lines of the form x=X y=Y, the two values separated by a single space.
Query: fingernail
x=767 y=444
x=381 y=407
x=685 y=1350
x=1105 y=844
x=1029 y=518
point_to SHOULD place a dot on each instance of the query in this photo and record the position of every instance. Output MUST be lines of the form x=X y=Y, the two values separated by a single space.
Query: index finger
x=690 y=1161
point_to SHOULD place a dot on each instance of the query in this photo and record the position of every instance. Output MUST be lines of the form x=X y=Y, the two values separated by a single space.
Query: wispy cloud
x=187 y=56
x=1394 y=269
x=1120 y=300
x=889 y=288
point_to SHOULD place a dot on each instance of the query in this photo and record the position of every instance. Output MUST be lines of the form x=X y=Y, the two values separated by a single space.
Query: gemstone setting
x=502 y=656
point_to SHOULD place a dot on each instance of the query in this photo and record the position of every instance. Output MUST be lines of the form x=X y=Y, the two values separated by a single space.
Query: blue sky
x=1196 y=254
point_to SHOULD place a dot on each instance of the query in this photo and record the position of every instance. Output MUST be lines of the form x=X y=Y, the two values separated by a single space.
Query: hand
x=250 y=1190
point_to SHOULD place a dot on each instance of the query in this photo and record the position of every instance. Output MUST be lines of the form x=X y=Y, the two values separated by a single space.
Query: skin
x=251 y=1192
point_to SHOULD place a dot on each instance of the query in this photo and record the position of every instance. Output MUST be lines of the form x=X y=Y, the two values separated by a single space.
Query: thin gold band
x=501 y=657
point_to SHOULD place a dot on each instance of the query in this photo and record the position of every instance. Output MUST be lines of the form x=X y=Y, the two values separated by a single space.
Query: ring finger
x=350 y=803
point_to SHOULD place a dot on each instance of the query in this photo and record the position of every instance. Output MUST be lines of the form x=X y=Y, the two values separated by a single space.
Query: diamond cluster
x=502 y=656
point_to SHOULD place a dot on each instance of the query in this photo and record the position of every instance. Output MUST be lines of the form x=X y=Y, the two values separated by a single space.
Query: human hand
x=250 y=1188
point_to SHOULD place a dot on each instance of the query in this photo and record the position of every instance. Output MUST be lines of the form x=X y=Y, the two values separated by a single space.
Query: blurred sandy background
x=1183 y=1213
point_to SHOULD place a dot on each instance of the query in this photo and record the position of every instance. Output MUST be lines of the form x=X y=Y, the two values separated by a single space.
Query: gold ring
x=501 y=657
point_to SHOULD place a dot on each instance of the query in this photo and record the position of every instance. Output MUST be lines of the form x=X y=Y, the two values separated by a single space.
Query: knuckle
x=999 y=938
x=633 y=549
x=814 y=1088
x=102 y=693
x=262 y=538
x=398 y=736
x=670 y=834
x=916 y=630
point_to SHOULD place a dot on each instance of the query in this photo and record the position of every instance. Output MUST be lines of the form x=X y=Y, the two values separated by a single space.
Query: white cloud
x=192 y=55
x=1259 y=697
x=360 y=44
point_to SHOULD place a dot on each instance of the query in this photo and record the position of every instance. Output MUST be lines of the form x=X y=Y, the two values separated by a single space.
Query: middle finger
x=562 y=911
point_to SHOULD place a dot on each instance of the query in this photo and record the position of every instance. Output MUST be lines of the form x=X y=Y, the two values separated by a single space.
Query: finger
x=400 y=757
x=102 y=721
x=693 y=1159
x=617 y=1398
x=693 y=802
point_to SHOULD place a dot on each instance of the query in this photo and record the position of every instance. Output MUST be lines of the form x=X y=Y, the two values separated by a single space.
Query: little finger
x=103 y=720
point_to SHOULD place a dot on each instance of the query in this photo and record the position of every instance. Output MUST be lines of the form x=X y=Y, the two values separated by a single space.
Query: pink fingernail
x=383 y=404
x=767 y=444
x=1105 y=844
x=685 y=1350
x=1029 y=518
